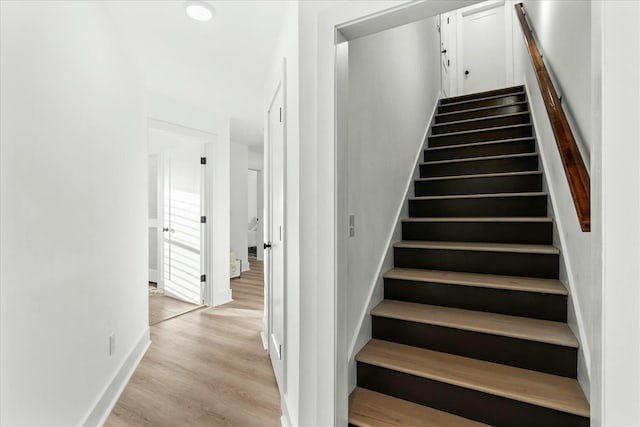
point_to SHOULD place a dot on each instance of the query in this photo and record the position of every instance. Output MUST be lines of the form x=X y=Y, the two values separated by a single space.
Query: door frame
x=452 y=49
x=158 y=278
x=508 y=37
x=206 y=289
x=278 y=82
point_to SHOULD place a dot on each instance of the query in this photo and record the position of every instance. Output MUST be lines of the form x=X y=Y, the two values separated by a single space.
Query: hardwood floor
x=206 y=368
x=162 y=307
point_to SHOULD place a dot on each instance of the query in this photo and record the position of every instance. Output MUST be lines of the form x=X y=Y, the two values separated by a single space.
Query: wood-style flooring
x=206 y=368
x=162 y=307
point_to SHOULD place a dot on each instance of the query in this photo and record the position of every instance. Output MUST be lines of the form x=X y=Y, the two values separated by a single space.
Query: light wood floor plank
x=545 y=331
x=550 y=391
x=206 y=368
x=368 y=408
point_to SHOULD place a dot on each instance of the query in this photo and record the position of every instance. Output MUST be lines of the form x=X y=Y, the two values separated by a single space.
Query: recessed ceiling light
x=199 y=10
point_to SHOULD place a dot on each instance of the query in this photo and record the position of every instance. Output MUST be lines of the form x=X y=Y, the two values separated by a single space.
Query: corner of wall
x=363 y=332
x=561 y=209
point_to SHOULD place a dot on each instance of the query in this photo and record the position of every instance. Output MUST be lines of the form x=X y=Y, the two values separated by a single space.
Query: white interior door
x=447 y=54
x=483 y=64
x=275 y=231
x=183 y=230
x=154 y=263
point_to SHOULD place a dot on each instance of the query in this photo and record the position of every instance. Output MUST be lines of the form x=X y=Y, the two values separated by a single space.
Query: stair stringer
x=362 y=333
x=575 y=318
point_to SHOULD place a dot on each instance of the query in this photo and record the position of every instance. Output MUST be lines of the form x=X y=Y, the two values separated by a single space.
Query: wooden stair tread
x=368 y=408
x=536 y=388
x=493 y=92
x=525 y=328
x=466 y=101
x=480 y=196
x=477 y=144
x=474 y=246
x=494 y=128
x=479 y=175
x=475 y=159
x=523 y=219
x=515 y=283
x=479 y=119
x=488 y=107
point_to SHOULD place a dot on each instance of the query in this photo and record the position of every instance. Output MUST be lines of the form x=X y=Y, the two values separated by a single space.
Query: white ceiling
x=219 y=65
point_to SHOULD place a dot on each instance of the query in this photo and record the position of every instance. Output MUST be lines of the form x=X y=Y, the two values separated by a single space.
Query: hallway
x=206 y=367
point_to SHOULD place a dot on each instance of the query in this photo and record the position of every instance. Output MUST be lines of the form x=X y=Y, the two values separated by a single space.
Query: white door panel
x=182 y=236
x=447 y=53
x=153 y=219
x=275 y=255
x=483 y=50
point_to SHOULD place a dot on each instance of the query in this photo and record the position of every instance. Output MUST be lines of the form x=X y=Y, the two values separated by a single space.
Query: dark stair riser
x=532 y=355
x=518 y=146
x=493 y=134
x=525 y=183
x=501 y=301
x=544 y=266
x=536 y=233
x=483 y=123
x=484 y=112
x=486 y=94
x=471 y=404
x=524 y=163
x=479 y=103
x=506 y=206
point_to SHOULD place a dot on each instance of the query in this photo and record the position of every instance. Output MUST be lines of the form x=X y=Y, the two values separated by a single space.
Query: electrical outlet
x=112 y=344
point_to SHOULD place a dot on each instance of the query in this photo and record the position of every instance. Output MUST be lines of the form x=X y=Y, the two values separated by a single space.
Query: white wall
x=256 y=162
x=287 y=49
x=213 y=128
x=577 y=247
x=252 y=194
x=616 y=208
x=392 y=93
x=73 y=213
x=560 y=28
x=239 y=207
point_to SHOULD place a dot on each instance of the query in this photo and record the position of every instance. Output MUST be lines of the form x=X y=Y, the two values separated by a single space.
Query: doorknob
x=466 y=72
x=444 y=51
x=165 y=229
x=266 y=245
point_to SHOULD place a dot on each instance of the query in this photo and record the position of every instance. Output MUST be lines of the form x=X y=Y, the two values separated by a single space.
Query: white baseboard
x=112 y=392
x=263 y=337
x=285 y=421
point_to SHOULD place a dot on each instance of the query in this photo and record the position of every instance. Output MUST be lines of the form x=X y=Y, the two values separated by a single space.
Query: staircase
x=472 y=330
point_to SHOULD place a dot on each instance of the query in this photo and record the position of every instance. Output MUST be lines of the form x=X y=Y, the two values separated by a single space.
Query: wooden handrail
x=574 y=167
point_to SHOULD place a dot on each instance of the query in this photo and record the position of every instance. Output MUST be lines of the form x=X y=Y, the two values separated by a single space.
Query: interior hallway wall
x=560 y=29
x=256 y=162
x=239 y=203
x=73 y=213
x=392 y=93
x=551 y=24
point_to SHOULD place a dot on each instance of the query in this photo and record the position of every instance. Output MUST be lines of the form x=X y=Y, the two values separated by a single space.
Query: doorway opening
x=476 y=48
x=177 y=224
